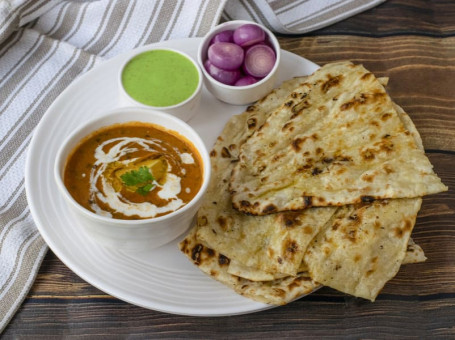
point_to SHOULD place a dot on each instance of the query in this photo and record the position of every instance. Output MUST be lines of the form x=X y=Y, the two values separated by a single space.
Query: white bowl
x=238 y=95
x=133 y=234
x=184 y=110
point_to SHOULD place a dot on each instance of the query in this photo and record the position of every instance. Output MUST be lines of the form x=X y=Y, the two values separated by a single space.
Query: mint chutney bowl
x=162 y=79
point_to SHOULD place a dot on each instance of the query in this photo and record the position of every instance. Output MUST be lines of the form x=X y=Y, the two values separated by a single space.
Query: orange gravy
x=133 y=171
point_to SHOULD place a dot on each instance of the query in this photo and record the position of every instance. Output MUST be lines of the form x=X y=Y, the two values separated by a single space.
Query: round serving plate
x=162 y=279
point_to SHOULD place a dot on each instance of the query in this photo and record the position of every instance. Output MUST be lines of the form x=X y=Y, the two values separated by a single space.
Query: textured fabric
x=46 y=44
x=295 y=17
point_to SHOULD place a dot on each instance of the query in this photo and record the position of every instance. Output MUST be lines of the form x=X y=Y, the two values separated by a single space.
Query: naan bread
x=272 y=244
x=214 y=264
x=414 y=253
x=336 y=140
x=358 y=257
x=254 y=274
x=251 y=273
x=262 y=254
x=363 y=246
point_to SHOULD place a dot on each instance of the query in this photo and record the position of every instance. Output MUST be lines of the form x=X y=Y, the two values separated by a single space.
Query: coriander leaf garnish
x=136 y=177
x=141 y=178
x=145 y=189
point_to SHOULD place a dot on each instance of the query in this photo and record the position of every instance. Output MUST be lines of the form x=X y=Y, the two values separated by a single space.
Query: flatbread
x=257 y=249
x=414 y=253
x=268 y=244
x=251 y=273
x=272 y=244
x=254 y=274
x=358 y=257
x=214 y=264
x=336 y=140
x=363 y=246
x=266 y=247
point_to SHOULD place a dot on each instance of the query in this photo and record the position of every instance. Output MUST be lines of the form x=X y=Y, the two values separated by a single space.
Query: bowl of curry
x=134 y=177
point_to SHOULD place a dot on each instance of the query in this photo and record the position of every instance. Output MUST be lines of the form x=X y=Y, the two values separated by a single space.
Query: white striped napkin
x=46 y=44
x=298 y=16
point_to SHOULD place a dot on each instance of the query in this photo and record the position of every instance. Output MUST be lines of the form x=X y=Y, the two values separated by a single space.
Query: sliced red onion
x=228 y=77
x=248 y=34
x=224 y=36
x=259 y=60
x=227 y=56
x=245 y=81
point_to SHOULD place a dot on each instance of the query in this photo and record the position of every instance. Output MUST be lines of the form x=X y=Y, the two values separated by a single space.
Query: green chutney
x=160 y=78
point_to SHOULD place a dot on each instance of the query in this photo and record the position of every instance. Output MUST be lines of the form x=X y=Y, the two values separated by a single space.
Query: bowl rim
x=237 y=23
x=195 y=93
x=72 y=140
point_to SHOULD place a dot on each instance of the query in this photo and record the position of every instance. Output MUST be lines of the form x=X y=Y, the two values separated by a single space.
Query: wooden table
x=412 y=42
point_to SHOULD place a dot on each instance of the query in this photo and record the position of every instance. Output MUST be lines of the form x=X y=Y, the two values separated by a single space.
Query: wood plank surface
x=413 y=43
x=432 y=18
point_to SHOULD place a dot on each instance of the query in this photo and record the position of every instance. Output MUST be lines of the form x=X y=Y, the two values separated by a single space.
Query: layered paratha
x=277 y=292
x=252 y=255
x=261 y=255
x=274 y=243
x=414 y=253
x=362 y=247
x=336 y=140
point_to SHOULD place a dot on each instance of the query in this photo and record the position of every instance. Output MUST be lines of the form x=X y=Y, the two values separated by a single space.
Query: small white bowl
x=184 y=110
x=238 y=95
x=133 y=235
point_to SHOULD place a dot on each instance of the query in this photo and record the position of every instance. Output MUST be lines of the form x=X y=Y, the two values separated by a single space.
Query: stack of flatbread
x=319 y=183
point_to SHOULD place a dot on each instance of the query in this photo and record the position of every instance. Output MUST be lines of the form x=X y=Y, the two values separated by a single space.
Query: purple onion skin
x=227 y=56
x=223 y=36
x=248 y=34
x=259 y=60
x=245 y=81
x=266 y=43
x=228 y=77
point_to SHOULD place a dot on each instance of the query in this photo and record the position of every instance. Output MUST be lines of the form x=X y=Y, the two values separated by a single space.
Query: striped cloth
x=298 y=16
x=46 y=44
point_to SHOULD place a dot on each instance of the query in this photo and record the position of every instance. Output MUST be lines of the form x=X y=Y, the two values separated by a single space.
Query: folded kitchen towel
x=46 y=44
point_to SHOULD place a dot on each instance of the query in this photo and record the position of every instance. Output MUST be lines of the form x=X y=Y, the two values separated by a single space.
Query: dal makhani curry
x=133 y=171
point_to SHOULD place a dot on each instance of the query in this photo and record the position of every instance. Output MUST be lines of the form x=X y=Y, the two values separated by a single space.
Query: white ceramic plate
x=162 y=279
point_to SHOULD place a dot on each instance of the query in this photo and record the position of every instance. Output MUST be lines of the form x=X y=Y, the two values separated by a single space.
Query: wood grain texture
x=413 y=43
x=398 y=17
